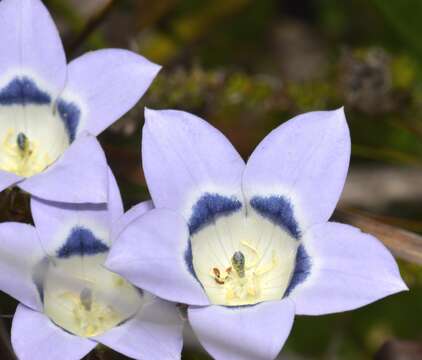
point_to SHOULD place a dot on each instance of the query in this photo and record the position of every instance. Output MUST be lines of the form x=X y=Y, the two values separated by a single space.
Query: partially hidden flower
x=249 y=246
x=69 y=302
x=47 y=107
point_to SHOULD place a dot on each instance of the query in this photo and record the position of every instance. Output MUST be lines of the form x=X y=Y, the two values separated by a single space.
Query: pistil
x=22 y=142
x=86 y=298
x=238 y=263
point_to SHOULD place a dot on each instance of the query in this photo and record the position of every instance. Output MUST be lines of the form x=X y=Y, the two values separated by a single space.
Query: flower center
x=242 y=281
x=87 y=308
x=21 y=155
x=243 y=260
x=91 y=318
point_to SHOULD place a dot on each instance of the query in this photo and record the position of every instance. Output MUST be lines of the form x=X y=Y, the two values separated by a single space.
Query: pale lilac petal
x=20 y=251
x=31 y=44
x=35 y=337
x=153 y=253
x=154 y=334
x=115 y=202
x=243 y=333
x=55 y=221
x=8 y=179
x=79 y=176
x=132 y=214
x=302 y=163
x=346 y=269
x=193 y=157
x=106 y=84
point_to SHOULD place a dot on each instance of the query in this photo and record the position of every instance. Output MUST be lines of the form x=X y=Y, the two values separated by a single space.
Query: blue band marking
x=279 y=210
x=81 y=242
x=301 y=271
x=70 y=114
x=189 y=260
x=209 y=207
x=23 y=91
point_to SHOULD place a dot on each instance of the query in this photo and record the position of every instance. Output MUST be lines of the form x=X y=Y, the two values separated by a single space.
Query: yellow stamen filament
x=22 y=156
x=243 y=286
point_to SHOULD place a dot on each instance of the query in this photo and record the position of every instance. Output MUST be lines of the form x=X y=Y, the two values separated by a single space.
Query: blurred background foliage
x=246 y=66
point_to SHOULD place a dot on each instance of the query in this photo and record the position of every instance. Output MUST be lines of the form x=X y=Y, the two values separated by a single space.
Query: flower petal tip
x=154 y=68
x=152 y=116
x=402 y=286
x=146 y=67
x=117 y=261
x=339 y=115
x=149 y=113
x=394 y=286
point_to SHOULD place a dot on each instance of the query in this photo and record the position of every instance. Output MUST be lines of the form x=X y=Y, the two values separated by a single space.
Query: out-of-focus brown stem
x=90 y=26
x=5 y=346
x=396 y=349
x=403 y=244
x=149 y=12
x=15 y=206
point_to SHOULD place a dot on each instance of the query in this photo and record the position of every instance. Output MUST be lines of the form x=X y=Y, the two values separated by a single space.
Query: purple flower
x=249 y=246
x=69 y=301
x=47 y=107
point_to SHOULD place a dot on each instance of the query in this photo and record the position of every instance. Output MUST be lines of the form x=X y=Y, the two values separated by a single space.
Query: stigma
x=22 y=156
x=238 y=262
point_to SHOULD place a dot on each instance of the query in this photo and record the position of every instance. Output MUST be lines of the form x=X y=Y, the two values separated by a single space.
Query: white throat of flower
x=31 y=139
x=243 y=260
x=88 y=303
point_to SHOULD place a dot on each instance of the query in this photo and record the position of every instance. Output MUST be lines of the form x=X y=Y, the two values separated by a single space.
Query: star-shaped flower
x=69 y=302
x=47 y=107
x=249 y=246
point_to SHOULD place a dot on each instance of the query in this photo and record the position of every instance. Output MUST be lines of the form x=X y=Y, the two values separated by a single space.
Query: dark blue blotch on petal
x=23 y=91
x=70 y=114
x=301 y=271
x=209 y=207
x=81 y=242
x=189 y=261
x=279 y=210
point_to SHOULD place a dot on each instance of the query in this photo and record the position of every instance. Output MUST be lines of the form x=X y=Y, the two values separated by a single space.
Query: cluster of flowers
x=244 y=246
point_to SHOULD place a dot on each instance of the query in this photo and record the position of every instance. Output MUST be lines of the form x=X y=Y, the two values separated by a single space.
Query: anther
x=238 y=263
